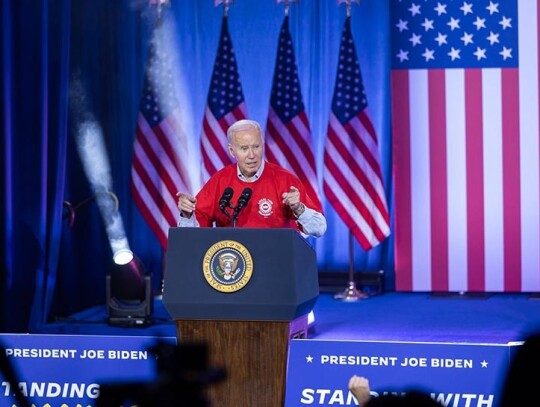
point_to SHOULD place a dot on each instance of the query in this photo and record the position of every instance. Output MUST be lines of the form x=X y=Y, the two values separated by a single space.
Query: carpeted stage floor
x=418 y=317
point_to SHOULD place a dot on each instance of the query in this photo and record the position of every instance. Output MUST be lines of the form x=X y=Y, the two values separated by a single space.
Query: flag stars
x=492 y=38
x=480 y=23
x=415 y=39
x=493 y=8
x=467 y=39
x=427 y=24
x=414 y=9
x=506 y=53
x=402 y=25
x=441 y=39
x=440 y=9
x=506 y=23
x=428 y=54
x=402 y=55
x=286 y=99
x=349 y=96
x=480 y=53
x=453 y=23
x=466 y=8
x=454 y=54
x=445 y=35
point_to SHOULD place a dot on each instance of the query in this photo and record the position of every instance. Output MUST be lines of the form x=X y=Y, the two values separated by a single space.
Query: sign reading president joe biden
x=68 y=370
x=457 y=375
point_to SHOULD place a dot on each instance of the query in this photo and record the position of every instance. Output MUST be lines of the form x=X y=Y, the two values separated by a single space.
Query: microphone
x=242 y=202
x=226 y=198
x=244 y=199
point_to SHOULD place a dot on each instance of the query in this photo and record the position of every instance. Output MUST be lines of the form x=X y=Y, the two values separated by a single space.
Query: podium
x=245 y=292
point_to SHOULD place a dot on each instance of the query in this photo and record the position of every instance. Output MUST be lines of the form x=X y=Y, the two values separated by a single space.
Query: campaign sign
x=458 y=375
x=67 y=370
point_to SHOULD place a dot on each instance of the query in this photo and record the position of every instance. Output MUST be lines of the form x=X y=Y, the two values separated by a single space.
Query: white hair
x=241 y=125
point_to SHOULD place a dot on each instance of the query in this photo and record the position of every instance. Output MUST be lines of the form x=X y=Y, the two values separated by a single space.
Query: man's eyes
x=247 y=148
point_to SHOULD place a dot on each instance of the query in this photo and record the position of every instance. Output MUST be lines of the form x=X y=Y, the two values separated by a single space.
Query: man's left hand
x=292 y=200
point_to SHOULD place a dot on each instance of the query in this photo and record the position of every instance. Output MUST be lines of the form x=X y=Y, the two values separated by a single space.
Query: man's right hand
x=186 y=204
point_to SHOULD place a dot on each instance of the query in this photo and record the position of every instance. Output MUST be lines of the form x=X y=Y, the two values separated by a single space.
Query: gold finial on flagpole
x=225 y=5
x=349 y=4
x=287 y=4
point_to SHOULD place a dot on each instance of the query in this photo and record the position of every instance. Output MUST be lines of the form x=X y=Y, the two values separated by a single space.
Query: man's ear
x=231 y=150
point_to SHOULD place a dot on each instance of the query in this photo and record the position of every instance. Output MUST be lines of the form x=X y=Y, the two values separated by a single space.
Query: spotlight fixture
x=129 y=291
x=123 y=256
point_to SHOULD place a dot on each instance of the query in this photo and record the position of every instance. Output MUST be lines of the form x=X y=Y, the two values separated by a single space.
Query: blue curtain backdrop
x=95 y=51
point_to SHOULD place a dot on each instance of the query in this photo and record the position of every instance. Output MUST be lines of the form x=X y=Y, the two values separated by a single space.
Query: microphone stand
x=224 y=210
x=241 y=204
x=236 y=212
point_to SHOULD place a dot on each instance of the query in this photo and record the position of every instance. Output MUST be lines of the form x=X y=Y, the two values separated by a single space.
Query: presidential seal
x=227 y=266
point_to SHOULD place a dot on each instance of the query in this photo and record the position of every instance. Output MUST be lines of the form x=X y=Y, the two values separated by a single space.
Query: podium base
x=253 y=353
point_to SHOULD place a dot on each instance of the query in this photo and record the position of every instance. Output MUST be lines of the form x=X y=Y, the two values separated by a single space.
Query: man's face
x=247 y=148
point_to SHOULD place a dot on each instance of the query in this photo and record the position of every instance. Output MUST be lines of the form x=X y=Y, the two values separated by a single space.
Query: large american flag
x=158 y=170
x=466 y=145
x=288 y=135
x=225 y=105
x=352 y=179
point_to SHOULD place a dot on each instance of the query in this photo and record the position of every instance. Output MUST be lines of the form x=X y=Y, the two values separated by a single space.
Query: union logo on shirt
x=265 y=207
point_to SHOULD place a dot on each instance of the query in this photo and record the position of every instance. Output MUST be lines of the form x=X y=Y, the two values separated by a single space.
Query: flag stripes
x=158 y=169
x=288 y=140
x=352 y=179
x=466 y=168
x=225 y=105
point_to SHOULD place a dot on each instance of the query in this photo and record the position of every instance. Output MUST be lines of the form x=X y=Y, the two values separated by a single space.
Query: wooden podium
x=245 y=293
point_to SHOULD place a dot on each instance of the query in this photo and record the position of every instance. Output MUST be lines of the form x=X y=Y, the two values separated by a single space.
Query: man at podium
x=266 y=194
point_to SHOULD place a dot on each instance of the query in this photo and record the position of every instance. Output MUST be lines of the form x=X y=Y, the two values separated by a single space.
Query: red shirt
x=264 y=209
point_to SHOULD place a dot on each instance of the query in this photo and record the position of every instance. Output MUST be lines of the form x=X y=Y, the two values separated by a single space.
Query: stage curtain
x=35 y=65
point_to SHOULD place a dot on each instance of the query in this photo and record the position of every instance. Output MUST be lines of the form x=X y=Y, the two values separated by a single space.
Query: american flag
x=288 y=135
x=158 y=170
x=352 y=179
x=225 y=105
x=466 y=145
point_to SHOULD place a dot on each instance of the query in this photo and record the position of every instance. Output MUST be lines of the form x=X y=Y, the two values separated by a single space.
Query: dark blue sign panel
x=458 y=375
x=67 y=370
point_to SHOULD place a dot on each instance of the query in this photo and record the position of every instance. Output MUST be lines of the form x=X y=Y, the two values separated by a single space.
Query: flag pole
x=348 y=3
x=350 y=293
x=226 y=5
x=287 y=4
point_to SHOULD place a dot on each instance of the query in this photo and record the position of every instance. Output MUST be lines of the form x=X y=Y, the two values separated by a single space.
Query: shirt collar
x=252 y=179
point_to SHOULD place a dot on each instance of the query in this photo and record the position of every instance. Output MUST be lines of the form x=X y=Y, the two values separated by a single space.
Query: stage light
x=123 y=256
x=129 y=293
x=128 y=285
